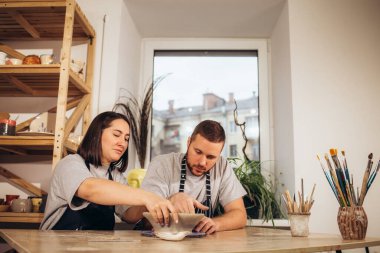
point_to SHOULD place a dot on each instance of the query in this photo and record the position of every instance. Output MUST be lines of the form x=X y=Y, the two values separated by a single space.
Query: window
x=232 y=127
x=233 y=151
x=201 y=85
x=187 y=101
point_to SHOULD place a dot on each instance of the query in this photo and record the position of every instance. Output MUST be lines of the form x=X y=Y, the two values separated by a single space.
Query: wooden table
x=249 y=239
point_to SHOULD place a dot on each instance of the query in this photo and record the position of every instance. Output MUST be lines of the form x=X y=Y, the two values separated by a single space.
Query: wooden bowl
x=4 y=208
x=175 y=231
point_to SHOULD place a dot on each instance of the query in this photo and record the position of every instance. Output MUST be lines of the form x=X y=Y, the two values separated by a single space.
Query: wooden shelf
x=21 y=217
x=37 y=81
x=40 y=19
x=27 y=145
x=37 y=20
x=31 y=145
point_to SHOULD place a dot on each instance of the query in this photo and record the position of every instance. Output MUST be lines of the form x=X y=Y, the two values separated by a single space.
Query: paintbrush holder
x=352 y=222
x=299 y=224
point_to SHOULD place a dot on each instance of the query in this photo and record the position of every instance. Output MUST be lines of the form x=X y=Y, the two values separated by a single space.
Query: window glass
x=201 y=85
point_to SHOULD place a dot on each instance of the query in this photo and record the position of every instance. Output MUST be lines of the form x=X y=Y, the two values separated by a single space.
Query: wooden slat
x=76 y=115
x=78 y=82
x=89 y=81
x=21 y=217
x=32 y=68
x=71 y=104
x=11 y=52
x=25 y=24
x=42 y=79
x=25 y=141
x=17 y=151
x=82 y=20
x=21 y=182
x=63 y=82
x=20 y=85
x=71 y=146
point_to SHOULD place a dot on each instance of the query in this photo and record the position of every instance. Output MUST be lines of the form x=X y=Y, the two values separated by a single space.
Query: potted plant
x=260 y=201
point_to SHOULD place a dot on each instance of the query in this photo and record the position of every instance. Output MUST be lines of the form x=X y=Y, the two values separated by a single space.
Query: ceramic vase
x=352 y=222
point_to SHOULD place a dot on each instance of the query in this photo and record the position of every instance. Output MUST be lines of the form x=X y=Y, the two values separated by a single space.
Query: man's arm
x=134 y=214
x=234 y=217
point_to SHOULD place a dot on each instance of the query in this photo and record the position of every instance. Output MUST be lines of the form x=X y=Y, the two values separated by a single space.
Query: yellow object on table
x=135 y=177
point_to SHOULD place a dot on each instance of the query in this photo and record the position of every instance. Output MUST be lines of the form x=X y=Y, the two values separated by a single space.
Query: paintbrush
x=328 y=178
x=341 y=199
x=339 y=174
x=303 y=195
x=345 y=166
x=373 y=175
x=365 y=180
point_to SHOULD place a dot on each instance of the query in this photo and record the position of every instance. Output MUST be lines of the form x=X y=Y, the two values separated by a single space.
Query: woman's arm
x=106 y=192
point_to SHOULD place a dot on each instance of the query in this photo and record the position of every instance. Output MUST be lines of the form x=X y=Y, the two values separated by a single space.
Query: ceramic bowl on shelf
x=175 y=231
x=21 y=205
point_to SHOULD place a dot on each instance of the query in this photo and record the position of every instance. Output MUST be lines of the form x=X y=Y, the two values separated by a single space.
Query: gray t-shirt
x=163 y=177
x=70 y=172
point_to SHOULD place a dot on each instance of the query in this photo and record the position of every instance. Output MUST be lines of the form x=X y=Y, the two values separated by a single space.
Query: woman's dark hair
x=90 y=149
x=211 y=130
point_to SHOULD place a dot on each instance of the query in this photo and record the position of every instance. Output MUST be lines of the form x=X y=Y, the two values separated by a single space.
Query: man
x=198 y=180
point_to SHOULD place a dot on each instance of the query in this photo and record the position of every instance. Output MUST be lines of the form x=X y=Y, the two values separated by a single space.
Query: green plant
x=260 y=192
x=261 y=195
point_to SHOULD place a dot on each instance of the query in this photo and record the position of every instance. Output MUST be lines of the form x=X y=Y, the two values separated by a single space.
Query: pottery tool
x=304 y=204
x=365 y=179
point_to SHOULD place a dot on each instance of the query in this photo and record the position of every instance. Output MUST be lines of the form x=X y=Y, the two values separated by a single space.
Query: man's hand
x=183 y=203
x=207 y=225
x=160 y=208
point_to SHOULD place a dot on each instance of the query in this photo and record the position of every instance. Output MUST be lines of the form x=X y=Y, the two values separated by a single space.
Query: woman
x=88 y=188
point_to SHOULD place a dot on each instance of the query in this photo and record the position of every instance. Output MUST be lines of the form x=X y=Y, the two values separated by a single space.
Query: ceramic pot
x=21 y=205
x=9 y=198
x=299 y=224
x=352 y=222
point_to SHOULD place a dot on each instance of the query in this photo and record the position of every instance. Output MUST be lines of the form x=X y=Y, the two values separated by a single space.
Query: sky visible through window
x=190 y=77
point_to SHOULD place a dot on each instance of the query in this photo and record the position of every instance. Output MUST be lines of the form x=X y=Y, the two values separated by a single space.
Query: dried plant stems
x=139 y=115
x=242 y=128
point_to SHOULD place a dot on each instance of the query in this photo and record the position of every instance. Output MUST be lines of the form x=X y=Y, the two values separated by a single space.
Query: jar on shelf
x=7 y=127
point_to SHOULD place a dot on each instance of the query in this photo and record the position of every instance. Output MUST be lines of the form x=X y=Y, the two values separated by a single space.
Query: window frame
x=150 y=45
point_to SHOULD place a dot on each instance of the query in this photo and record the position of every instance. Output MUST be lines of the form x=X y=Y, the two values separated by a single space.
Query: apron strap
x=207 y=202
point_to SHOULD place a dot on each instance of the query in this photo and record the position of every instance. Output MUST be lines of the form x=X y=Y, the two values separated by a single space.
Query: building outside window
x=233 y=150
x=203 y=85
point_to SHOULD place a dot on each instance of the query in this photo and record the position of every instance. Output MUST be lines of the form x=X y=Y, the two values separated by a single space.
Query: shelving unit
x=42 y=20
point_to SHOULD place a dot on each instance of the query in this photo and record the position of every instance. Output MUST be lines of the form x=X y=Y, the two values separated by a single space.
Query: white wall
x=282 y=102
x=335 y=64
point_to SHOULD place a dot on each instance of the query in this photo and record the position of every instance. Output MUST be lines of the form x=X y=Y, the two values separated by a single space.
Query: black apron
x=207 y=202
x=93 y=217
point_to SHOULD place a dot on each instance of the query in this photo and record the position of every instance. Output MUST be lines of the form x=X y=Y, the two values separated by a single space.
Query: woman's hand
x=160 y=208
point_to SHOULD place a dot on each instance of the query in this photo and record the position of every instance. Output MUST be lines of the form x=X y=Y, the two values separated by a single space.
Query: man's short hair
x=211 y=130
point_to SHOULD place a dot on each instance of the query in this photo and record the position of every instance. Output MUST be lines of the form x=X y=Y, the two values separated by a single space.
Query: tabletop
x=249 y=239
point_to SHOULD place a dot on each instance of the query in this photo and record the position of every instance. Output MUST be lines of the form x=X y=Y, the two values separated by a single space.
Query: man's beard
x=196 y=167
